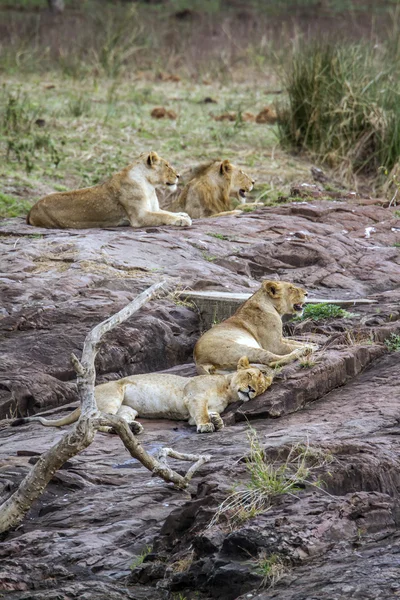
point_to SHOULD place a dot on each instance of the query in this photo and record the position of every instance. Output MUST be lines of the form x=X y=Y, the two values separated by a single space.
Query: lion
x=198 y=399
x=127 y=198
x=255 y=330
x=209 y=190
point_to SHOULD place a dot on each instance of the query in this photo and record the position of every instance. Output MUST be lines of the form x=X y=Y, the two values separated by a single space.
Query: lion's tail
x=71 y=418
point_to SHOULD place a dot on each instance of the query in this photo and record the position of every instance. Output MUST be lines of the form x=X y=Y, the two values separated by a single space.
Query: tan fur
x=127 y=198
x=210 y=188
x=156 y=395
x=255 y=330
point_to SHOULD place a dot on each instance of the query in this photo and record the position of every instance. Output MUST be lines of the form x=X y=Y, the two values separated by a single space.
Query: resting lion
x=200 y=399
x=255 y=330
x=210 y=188
x=127 y=198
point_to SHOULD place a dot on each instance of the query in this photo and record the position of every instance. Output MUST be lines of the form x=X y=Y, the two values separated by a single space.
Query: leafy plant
x=393 y=342
x=318 y=312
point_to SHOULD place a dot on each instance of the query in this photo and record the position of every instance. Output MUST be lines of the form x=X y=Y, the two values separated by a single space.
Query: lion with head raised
x=255 y=330
x=127 y=198
x=198 y=399
x=210 y=189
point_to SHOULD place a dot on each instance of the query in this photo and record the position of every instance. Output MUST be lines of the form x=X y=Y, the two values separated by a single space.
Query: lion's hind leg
x=129 y=415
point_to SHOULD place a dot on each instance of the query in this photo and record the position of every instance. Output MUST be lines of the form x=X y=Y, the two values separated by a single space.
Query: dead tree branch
x=13 y=510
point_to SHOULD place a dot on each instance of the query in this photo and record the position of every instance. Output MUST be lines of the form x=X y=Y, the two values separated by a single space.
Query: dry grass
x=270 y=479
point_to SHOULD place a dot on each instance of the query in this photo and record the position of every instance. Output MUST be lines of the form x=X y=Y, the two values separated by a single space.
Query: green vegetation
x=270 y=479
x=393 y=343
x=343 y=105
x=140 y=558
x=272 y=567
x=318 y=312
x=13 y=207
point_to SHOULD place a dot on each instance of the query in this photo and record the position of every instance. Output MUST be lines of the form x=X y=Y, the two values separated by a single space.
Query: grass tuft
x=272 y=567
x=271 y=479
x=140 y=558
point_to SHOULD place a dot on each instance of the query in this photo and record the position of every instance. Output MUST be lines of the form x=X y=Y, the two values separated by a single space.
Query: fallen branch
x=13 y=510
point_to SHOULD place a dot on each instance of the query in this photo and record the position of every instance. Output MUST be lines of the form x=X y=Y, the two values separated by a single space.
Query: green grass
x=319 y=312
x=270 y=479
x=343 y=106
x=272 y=567
x=393 y=343
x=140 y=558
x=13 y=207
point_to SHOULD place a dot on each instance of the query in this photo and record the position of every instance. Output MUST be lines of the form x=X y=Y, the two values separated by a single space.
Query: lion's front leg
x=164 y=217
x=198 y=410
x=295 y=344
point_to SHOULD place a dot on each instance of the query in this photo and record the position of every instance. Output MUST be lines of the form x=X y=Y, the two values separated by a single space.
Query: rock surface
x=103 y=514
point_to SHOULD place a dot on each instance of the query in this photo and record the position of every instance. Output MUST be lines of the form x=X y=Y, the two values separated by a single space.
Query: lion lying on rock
x=255 y=330
x=162 y=396
x=210 y=188
x=127 y=198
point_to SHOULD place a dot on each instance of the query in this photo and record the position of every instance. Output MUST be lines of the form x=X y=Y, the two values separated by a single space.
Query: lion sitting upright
x=163 y=396
x=255 y=330
x=127 y=198
x=210 y=188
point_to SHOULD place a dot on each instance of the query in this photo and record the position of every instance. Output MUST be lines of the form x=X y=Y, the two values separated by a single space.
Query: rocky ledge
x=104 y=528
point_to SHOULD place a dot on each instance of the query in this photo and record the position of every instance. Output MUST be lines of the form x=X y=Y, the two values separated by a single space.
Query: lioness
x=127 y=198
x=255 y=330
x=209 y=190
x=159 y=395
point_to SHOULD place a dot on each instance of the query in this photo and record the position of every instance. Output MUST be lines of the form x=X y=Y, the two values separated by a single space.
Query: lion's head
x=249 y=382
x=287 y=298
x=240 y=182
x=159 y=171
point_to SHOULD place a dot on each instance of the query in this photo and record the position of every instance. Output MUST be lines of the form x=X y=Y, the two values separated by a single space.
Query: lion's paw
x=183 y=220
x=136 y=428
x=205 y=428
x=216 y=421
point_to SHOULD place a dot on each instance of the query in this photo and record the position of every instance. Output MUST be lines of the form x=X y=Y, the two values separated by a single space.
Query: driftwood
x=13 y=509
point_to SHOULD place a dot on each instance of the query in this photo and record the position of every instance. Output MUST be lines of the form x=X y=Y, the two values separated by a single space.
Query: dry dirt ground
x=104 y=528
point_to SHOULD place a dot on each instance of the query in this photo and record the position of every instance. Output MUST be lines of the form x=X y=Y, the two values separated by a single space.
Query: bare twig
x=17 y=505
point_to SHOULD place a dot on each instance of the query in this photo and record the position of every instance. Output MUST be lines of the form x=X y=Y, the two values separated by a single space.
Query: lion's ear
x=225 y=167
x=243 y=363
x=272 y=288
x=152 y=158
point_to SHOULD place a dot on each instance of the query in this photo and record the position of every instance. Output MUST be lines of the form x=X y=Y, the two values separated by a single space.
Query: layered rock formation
x=102 y=513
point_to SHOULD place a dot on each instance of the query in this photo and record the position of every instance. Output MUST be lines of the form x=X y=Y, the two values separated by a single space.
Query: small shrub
x=318 y=312
x=393 y=343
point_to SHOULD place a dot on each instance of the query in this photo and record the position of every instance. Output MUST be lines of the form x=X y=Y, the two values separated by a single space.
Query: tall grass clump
x=343 y=106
